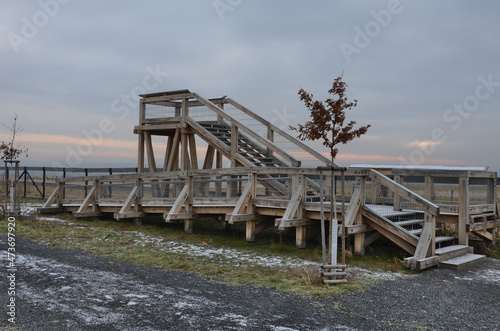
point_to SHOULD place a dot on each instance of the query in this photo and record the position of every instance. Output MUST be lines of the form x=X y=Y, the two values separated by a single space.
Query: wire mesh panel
x=153 y=111
x=445 y=190
x=114 y=191
x=162 y=189
x=273 y=187
x=479 y=189
x=202 y=114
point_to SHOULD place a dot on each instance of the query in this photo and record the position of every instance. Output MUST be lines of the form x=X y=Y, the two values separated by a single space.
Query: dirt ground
x=59 y=289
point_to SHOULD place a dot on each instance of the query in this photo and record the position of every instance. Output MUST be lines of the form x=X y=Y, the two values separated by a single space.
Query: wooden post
x=184 y=139
x=463 y=211
x=140 y=147
x=188 y=222
x=138 y=197
x=323 y=234
x=250 y=224
x=397 y=198
x=359 y=238
x=301 y=230
x=429 y=188
x=270 y=137
x=43 y=182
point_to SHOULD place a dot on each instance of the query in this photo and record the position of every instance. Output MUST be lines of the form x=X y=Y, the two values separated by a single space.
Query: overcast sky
x=426 y=74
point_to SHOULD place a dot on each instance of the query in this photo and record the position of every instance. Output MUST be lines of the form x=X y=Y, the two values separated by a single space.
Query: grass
x=146 y=245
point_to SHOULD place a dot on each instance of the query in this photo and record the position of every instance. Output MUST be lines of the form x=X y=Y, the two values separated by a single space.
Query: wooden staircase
x=247 y=147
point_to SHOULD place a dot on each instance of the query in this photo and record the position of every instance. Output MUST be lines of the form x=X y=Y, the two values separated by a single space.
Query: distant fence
x=39 y=182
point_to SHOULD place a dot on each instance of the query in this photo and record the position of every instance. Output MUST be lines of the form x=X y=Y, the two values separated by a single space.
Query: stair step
x=441 y=239
x=415 y=231
x=409 y=222
x=462 y=262
x=450 y=252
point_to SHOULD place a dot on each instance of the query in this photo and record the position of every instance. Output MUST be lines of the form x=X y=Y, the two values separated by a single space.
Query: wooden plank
x=358 y=228
x=482 y=226
x=129 y=214
x=289 y=223
x=235 y=218
x=51 y=210
x=334 y=266
x=480 y=209
x=81 y=214
x=179 y=216
x=426 y=263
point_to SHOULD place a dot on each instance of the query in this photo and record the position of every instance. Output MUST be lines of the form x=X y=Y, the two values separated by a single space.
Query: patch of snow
x=489 y=276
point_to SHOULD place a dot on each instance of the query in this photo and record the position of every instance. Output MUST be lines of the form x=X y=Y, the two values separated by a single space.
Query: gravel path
x=59 y=289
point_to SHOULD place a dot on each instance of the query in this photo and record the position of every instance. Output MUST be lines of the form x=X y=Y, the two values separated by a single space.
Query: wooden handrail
x=404 y=192
x=282 y=133
x=260 y=139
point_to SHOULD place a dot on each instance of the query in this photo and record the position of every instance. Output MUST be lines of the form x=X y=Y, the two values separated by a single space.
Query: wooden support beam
x=425 y=242
x=88 y=199
x=128 y=214
x=173 y=158
x=485 y=234
x=246 y=195
x=192 y=152
x=168 y=151
x=179 y=202
x=235 y=218
x=354 y=206
x=359 y=238
x=290 y=223
x=300 y=236
x=463 y=214
x=179 y=216
x=128 y=204
x=140 y=147
x=54 y=197
x=250 y=230
x=88 y=213
x=393 y=232
x=184 y=151
x=293 y=206
x=150 y=151
x=209 y=157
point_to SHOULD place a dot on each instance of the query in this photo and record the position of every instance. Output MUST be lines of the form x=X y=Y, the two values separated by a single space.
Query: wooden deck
x=249 y=177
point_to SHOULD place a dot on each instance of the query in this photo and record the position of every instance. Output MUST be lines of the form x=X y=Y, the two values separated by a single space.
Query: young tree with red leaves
x=328 y=123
